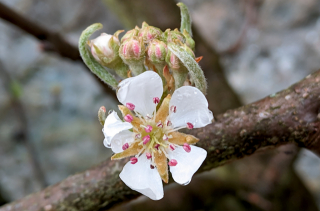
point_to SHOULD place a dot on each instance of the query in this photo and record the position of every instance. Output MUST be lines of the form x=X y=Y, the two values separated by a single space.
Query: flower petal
x=112 y=126
x=140 y=91
x=120 y=139
x=188 y=163
x=140 y=177
x=191 y=106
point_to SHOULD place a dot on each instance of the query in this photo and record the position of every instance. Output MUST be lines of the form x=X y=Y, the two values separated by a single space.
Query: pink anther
x=130 y=106
x=148 y=155
x=186 y=147
x=189 y=125
x=173 y=162
x=172 y=147
x=146 y=139
x=173 y=109
x=156 y=100
x=125 y=146
x=128 y=118
x=148 y=128
x=134 y=160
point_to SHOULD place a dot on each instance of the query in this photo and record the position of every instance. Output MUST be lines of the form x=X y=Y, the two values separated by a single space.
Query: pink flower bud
x=128 y=118
x=156 y=100
x=130 y=106
x=134 y=160
x=186 y=147
x=173 y=162
x=148 y=155
x=149 y=33
x=148 y=128
x=189 y=125
x=129 y=34
x=125 y=146
x=132 y=50
x=157 y=51
x=146 y=139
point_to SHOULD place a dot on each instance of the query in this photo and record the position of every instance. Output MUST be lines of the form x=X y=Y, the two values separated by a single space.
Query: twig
x=51 y=41
x=289 y=116
x=23 y=132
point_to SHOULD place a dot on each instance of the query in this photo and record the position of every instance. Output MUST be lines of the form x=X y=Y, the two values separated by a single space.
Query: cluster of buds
x=145 y=48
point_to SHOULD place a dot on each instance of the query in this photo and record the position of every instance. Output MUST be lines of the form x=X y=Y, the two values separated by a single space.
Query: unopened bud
x=149 y=33
x=157 y=51
x=102 y=115
x=129 y=34
x=172 y=36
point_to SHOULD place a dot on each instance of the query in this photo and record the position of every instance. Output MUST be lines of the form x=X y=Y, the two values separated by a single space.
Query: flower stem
x=88 y=59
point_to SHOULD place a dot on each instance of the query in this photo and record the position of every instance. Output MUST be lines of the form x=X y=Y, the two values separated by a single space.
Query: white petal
x=191 y=106
x=140 y=91
x=120 y=139
x=188 y=163
x=140 y=177
x=112 y=126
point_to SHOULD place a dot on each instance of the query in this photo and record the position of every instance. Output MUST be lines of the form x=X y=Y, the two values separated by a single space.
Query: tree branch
x=290 y=116
x=52 y=41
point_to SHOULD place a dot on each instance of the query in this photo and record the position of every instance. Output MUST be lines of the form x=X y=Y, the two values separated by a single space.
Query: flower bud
x=157 y=51
x=130 y=34
x=105 y=49
x=132 y=50
x=149 y=33
x=172 y=36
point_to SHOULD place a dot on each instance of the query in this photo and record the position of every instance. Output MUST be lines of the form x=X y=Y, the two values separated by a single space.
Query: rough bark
x=290 y=116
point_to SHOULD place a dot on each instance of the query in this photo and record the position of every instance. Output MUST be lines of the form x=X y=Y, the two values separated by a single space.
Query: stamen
x=168 y=123
x=138 y=136
x=156 y=100
x=165 y=137
x=187 y=147
x=130 y=106
x=151 y=166
x=157 y=146
x=173 y=162
x=189 y=125
x=159 y=124
x=148 y=128
x=125 y=146
x=134 y=160
x=172 y=147
x=173 y=109
x=128 y=118
x=148 y=155
x=170 y=131
x=146 y=139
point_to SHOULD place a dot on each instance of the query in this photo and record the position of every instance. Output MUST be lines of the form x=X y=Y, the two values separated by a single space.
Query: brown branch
x=51 y=41
x=289 y=116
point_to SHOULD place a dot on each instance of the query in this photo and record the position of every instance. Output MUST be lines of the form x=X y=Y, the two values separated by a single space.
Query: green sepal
x=185 y=18
x=90 y=61
x=194 y=69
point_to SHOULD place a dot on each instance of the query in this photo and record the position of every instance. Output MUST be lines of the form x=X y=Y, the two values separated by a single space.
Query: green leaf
x=185 y=18
x=90 y=61
x=194 y=69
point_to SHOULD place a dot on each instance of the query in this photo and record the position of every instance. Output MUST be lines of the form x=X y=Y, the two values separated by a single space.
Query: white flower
x=151 y=135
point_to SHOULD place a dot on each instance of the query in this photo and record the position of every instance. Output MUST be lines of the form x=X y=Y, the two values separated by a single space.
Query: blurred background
x=49 y=101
